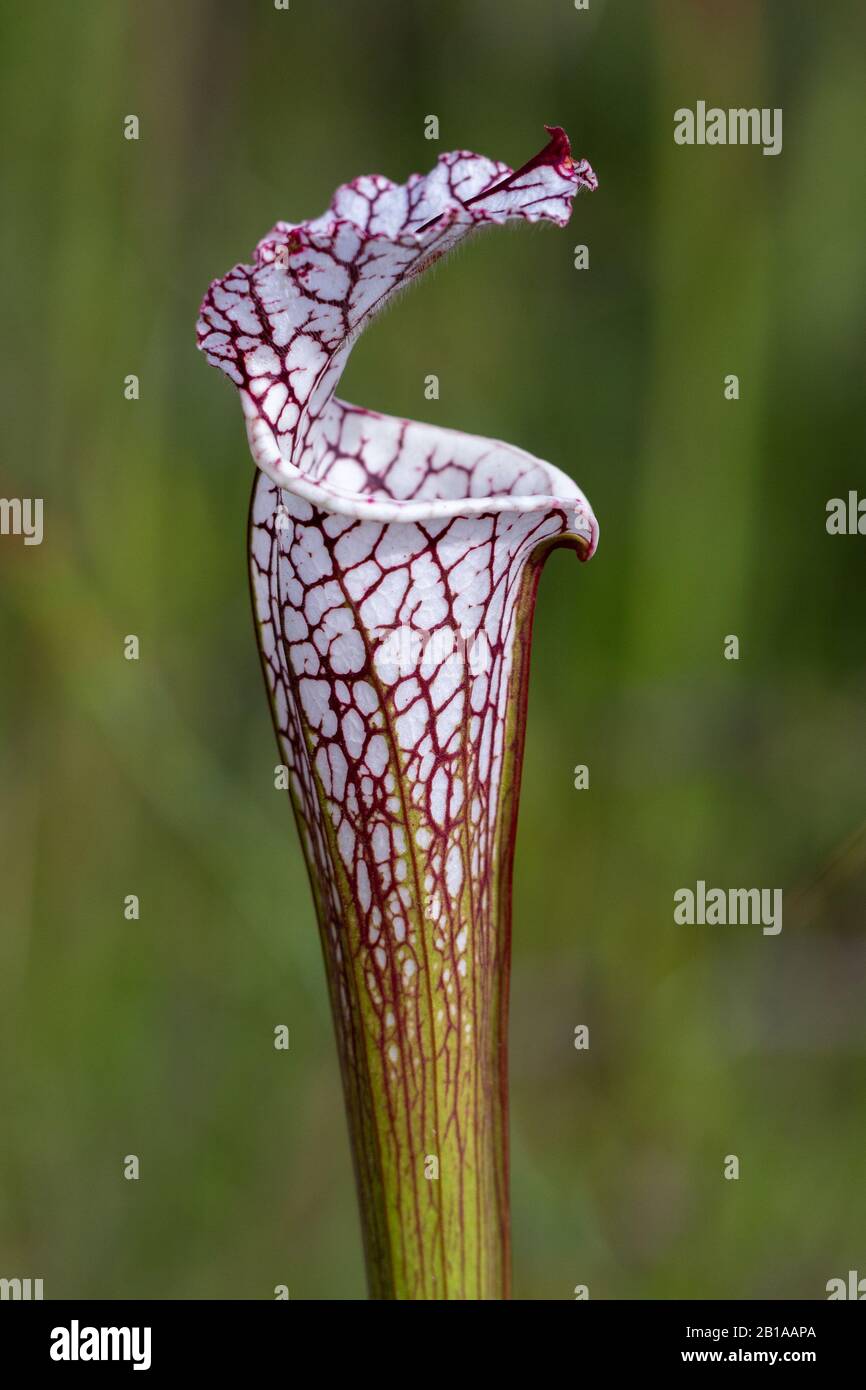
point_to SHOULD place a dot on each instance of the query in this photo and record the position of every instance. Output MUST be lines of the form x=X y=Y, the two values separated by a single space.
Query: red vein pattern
x=393 y=569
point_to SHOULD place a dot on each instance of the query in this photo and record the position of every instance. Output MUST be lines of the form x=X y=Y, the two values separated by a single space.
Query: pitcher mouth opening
x=377 y=505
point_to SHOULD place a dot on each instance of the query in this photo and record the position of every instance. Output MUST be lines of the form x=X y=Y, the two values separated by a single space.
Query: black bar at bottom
x=158 y=1337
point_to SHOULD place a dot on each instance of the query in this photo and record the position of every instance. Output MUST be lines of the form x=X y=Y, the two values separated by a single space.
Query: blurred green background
x=156 y=1037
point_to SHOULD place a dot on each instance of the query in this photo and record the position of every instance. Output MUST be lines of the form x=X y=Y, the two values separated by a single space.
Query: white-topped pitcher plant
x=394 y=566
